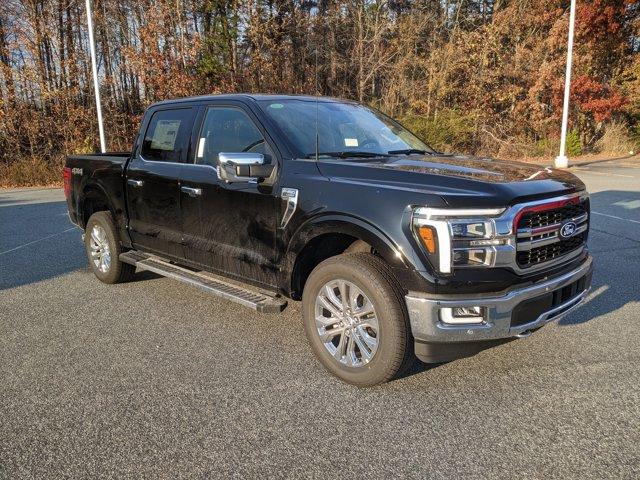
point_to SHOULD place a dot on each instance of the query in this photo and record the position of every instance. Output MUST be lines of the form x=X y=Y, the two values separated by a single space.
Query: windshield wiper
x=348 y=154
x=408 y=151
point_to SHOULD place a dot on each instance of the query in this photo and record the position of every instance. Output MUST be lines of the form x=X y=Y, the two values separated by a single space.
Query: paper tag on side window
x=201 y=147
x=350 y=142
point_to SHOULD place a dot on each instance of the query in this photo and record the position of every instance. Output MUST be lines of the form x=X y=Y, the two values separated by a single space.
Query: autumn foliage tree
x=477 y=76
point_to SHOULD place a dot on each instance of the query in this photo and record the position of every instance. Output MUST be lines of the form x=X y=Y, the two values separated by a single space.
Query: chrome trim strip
x=529 y=232
x=428 y=212
x=541 y=242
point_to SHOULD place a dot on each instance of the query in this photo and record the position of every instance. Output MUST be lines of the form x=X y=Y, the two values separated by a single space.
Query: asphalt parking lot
x=157 y=379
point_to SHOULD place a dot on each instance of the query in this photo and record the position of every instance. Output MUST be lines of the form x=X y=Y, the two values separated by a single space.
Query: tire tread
x=406 y=357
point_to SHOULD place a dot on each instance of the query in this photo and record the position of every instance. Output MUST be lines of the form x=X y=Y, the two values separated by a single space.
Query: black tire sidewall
x=105 y=220
x=392 y=331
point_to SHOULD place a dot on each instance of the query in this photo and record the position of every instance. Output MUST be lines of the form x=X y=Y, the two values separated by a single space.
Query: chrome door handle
x=135 y=183
x=192 y=192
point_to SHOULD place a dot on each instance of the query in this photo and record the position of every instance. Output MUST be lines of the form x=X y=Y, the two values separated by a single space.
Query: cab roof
x=251 y=96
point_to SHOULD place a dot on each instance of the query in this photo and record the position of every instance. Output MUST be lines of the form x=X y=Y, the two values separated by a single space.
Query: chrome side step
x=260 y=301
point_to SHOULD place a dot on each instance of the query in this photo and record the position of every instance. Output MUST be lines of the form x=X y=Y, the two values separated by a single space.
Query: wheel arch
x=327 y=236
x=93 y=199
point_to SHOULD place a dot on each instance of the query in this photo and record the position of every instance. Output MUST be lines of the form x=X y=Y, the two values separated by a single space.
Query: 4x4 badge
x=568 y=229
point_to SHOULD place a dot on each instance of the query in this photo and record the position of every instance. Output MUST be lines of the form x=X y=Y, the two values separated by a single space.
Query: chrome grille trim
x=552 y=237
x=505 y=256
x=528 y=232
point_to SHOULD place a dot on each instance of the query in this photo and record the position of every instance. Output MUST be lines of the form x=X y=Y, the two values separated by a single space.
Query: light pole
x=561 y=160
x=94 y=69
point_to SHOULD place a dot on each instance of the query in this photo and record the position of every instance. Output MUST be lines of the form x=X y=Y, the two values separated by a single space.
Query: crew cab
x=395 y=250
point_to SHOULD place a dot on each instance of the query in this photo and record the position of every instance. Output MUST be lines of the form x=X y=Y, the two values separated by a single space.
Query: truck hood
x=462 y=181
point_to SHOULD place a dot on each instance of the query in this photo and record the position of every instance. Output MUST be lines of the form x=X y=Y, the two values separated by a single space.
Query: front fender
x=348 y=225
x=400 y=262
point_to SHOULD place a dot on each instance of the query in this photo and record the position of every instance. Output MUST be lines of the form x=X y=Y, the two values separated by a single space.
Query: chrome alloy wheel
x=347 y=323
x=100 y=252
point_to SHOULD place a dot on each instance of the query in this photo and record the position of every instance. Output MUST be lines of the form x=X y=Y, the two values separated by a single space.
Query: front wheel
x=103 y=249
x=356 y=320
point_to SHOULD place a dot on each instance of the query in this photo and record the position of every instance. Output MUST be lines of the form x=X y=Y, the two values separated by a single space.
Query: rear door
x=153 y=182
x=236 y=228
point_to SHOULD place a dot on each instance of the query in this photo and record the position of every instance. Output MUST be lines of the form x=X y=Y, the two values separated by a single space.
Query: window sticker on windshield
x=164 y=136
x=276 y=105
x=389 y=136
x=350 y=142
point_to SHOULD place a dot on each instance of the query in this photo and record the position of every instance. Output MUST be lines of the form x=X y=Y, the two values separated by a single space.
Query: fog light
x=462 y=315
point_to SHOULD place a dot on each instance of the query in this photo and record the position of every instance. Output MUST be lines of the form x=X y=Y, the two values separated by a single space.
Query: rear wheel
x=356 y=321
x=103 y=249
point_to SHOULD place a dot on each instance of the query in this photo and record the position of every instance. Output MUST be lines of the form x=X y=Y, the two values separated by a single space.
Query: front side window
x=228 y=130
x=167 y=135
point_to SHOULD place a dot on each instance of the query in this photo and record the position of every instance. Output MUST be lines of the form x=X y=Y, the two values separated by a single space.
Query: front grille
x=526 y=258
x=539 y=238
x=530 y=310
x=550 y=217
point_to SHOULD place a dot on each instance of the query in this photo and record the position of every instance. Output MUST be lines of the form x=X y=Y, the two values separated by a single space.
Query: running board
x=260 y=301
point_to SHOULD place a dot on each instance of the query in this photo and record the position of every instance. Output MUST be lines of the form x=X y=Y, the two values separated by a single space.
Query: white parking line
x=605 y=174
x=36 y=241
x=617 y=218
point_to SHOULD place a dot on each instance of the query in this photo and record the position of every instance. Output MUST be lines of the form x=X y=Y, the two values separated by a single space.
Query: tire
x=378 y=362
x=103 y=250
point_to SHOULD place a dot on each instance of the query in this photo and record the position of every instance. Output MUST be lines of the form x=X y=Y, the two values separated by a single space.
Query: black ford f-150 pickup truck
x=395 y=250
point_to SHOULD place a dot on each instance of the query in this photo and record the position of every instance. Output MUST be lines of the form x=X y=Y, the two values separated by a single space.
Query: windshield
x=344 y=129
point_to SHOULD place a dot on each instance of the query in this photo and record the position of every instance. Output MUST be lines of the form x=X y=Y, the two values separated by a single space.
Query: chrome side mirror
x=243 y=167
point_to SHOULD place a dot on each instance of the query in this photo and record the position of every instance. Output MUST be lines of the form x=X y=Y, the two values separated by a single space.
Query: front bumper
x=427 y=327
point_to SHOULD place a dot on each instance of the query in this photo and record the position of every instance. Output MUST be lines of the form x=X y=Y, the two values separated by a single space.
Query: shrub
x=617 y=139
x=33 y=171
x=573 y=144
x=546 y=147
x=449 y=130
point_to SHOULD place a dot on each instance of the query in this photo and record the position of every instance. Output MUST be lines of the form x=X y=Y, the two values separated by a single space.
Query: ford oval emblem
x=568 y=229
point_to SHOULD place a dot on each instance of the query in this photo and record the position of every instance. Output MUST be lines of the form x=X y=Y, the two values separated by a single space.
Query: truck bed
x=102 y=172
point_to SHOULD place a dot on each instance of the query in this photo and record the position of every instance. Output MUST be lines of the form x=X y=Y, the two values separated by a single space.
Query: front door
x=236 y=231
x=152 y=183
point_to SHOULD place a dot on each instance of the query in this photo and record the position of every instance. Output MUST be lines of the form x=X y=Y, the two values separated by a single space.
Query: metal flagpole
x=94 y=69
x=561 y=160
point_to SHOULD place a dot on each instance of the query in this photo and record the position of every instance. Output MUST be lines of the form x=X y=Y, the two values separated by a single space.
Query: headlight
x=457 y=237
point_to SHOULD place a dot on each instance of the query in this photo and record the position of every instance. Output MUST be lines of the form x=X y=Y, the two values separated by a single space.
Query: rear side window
x=167 y=136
